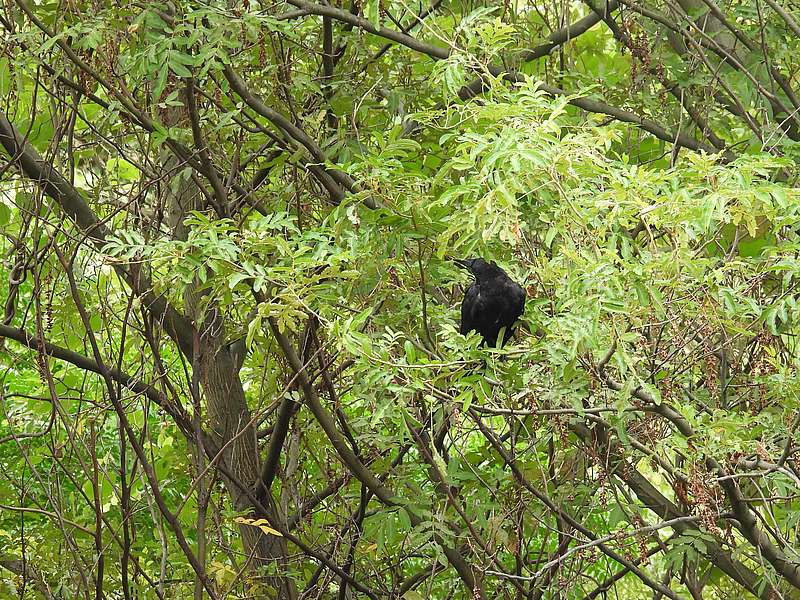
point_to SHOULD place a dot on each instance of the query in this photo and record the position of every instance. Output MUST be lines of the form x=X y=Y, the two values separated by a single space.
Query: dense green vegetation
x=230 y=361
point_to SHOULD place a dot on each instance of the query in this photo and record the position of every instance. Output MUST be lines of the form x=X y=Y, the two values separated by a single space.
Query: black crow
x=491 y=302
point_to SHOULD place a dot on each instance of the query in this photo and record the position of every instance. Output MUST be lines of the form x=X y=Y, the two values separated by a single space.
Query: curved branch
x=475 y=87
x=352 y=462
x=335 y=181
x=87 y=364
x=554 y=40
x=625 y=116
x=679 y=93
x=72 y=203
x=747 y=523
x=344 y=16
x=418 y=18
x=577 y=525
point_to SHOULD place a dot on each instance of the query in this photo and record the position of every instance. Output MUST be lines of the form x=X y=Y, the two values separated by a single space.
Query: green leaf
x=253 y=328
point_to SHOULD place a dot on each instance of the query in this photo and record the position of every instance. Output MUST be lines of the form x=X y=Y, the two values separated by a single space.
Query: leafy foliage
x=640 y=435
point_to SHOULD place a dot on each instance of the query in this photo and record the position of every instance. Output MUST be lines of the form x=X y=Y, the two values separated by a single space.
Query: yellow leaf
x=262 y=524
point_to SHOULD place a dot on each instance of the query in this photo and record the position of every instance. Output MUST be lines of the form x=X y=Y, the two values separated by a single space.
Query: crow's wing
x=513 y=307
x=490 y=306
x=487 y=312
x=470 y=309
x=517 y=297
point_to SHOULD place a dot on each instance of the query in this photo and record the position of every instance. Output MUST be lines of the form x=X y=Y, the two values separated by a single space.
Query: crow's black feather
x=492 y=301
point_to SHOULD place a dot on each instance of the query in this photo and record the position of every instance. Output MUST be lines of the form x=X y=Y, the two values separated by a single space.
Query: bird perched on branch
x=493 y=301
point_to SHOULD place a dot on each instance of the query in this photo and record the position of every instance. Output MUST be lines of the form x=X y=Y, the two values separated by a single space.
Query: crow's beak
x=464 y=264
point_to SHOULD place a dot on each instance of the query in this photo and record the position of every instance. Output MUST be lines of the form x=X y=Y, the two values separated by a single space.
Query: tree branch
x=542 y=497
x=81 y=361
x=747 y=524
x=472 y=89
x=554 y=40
x=72 y=203
x=344 y=16
x=349 y=458
x=788 y=19
x=339 y=182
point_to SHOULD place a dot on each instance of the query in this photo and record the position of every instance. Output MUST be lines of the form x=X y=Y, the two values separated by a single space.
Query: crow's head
x=479 y=267
x=466 y=263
